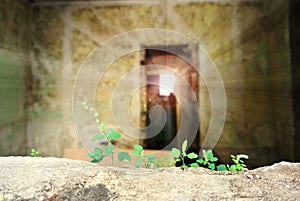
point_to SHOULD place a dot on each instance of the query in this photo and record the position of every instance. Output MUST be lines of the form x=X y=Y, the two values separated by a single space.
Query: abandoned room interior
x=230 y=67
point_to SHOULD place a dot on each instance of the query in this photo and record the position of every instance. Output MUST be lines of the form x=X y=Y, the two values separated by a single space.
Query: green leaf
x=209 y=153
x=184 y=145
x=34 y=153
x=138 y=163
x=194 y=165
x=137 y=149
x=97 y=160
x=211 y=166
x=213 y=159
x=112 y=134
x=244 y=156
x=124 y=156
x=221 y=167
x=192 y=155
x=94 y=161
x=96 y=153
x=170 y=164
x=150 y=157
x=109 y=149
x=184 y=166
x=175 y=152
x=98 y=136
x=201 y=161
x=232 y=168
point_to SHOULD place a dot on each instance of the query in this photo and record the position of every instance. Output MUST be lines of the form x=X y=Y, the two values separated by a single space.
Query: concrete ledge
x=27 y=178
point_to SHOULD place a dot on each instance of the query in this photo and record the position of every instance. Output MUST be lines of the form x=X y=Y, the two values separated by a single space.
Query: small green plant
x=238 y=163
x=34 y=152
x=105 y=134
x=166 y=161
x=146 y=159
x=149 y=160
x=180 y=155
x=208 y=159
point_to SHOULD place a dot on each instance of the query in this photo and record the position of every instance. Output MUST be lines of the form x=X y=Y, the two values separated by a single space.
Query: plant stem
x=146 y=166
x=183 y=161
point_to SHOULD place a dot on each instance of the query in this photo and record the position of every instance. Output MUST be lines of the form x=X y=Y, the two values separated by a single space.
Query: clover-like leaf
x=138 y=163
x=137 y=149
x=221 y=167
x=98 y=136
x=209 y=153
x=112 y=134
x=150 y=157
x=96 y=153
x=109 y=149
x=192 y=155
x=184 y=166
x=175 y=152
x=201 y=161
x=213 y=159
x=194 y=165
x=124 y=156
x=97 y=160
x=211 y=166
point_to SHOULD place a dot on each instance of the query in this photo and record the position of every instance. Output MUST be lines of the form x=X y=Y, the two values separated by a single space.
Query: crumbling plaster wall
x=247 y=40
x=14 y=65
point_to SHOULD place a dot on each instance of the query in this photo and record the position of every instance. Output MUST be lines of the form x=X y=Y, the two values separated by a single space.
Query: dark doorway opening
x=182 y=59
x=295 y=63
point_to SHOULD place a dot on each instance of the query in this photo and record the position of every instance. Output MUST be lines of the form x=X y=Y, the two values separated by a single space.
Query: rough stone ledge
x=27 y=178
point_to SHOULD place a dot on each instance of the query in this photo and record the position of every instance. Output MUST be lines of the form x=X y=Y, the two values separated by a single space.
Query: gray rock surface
x=27 y=178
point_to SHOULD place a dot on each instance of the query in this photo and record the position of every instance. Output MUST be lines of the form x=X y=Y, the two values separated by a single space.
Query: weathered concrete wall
x=247 y=41
x=14 y=65
x=260 y=117
x=50 y=126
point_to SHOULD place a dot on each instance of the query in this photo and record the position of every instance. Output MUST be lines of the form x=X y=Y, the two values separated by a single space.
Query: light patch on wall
x=166 y=84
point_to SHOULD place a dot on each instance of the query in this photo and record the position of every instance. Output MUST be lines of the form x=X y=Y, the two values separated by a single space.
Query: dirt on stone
x=27 y=178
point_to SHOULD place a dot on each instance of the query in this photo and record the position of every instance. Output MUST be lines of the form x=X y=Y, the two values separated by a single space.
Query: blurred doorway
x=162 y=88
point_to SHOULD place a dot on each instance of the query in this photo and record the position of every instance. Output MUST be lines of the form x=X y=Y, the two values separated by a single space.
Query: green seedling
x=238 y=163
x=208 y=159
x=166 y=161
x=34 y=152
x=109 y=134
x=146 y=159
x=180 y=155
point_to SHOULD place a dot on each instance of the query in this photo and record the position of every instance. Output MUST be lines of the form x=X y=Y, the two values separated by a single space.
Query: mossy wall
x=14 y=51
x=247 y=41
